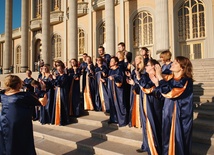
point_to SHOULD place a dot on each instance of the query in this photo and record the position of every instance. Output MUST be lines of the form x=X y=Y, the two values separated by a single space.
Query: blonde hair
x=122 y=55
x=12 y=82
x=141 y=65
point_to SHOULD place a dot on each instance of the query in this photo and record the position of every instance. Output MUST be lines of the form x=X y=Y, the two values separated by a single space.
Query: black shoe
x=140 y=150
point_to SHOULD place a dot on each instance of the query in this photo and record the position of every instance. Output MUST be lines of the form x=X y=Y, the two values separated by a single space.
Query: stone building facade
x=65 y=29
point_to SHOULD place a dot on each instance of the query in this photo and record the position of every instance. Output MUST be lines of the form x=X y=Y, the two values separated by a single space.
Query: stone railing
x=100 y=4
x=56 y=17
x=36 y=23
x=82 y=8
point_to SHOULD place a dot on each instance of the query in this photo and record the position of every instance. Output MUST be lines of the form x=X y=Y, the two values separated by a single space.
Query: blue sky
x=16 y=14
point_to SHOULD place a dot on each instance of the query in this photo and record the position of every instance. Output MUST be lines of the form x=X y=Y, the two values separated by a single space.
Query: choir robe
x=27 y=85
x=16 y=130
x=60 y=107
x=177 y=116
x=116 y=99
x=134 y=114
x=101 y=92
x=74 y=92
x=106 y=59
x=82 y=68
x=46 y=111
x=89 y=91
x=151 y=105
x=166 y=68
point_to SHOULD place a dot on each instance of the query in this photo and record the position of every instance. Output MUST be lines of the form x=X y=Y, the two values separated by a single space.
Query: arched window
x=56 y=47
x=39 y=8
x=142 y=29
x=18 y=59
x=81 y=41
x=102 y=34
x=191 y=28
x=56 y=5
x=18 y=55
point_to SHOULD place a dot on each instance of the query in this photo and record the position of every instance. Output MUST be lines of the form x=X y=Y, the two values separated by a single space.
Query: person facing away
x=165 y=57
x=16 y=131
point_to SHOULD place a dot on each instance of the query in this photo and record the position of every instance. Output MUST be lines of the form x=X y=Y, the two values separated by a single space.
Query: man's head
x=101 y=50
x=121 y=46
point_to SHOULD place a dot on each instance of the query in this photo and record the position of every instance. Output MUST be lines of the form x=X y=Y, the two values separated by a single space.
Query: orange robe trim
x=149 y=129
x=148 y=90
x=172 y=133
x=167 y=77
x=70 y=98
x=136 y=111
x=44 y=100
x=58 y=107
x=88 y=105
x=175 y=92
x=100 y=87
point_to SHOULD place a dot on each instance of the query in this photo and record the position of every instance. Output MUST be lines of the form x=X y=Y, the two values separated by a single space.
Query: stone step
x=204 y=124
x=203 y=136
x=203 y=113
x=89 y=144
x=205 y=105
x=203 y=98
x=203 y=83
x=200 y=92
x=121 y=135
x=47 y=147
x=202 y=149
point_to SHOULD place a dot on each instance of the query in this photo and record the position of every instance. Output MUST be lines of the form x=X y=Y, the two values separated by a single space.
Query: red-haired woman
x=177 y=117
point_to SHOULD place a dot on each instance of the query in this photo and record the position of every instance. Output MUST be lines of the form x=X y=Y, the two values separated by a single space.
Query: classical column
x=73 y=50
x=7 y=56
x=24 y=34
x=122 y=21
x=90 y=33
x=110 y=27
x=46 y=32
x=162 y=27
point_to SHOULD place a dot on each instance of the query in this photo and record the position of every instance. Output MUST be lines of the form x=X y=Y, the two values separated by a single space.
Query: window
x=18 y=55
x=18 y=59
x=102 y=34
x=142 y=29
x=81 y=41
x=56 y=47
x=191 y=22
x=191 y=28
x=56 y=5
x=38 y=8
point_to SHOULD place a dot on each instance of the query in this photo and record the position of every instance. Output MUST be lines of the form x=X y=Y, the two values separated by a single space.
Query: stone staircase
x=91 y=134
x=203 y=127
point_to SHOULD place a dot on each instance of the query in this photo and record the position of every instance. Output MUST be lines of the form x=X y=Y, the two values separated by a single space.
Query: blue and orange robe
x=177 y=115
x=46 y=110
x=89 y=90
x=74 y=92
x=151 y=115
x=60 y=107
x=101 y=92
x=118 y=112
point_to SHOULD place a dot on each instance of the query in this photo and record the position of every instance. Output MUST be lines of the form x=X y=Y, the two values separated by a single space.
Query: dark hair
x=35 y=83
x=101 y=59
x=29 y=71
x=145 y=49
x=122 y=44
x=103 y=48
x=60 y=63
x=153 y=62
x=85 y=54
x=186 y=65
x=115 y=59
x=75 y=61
